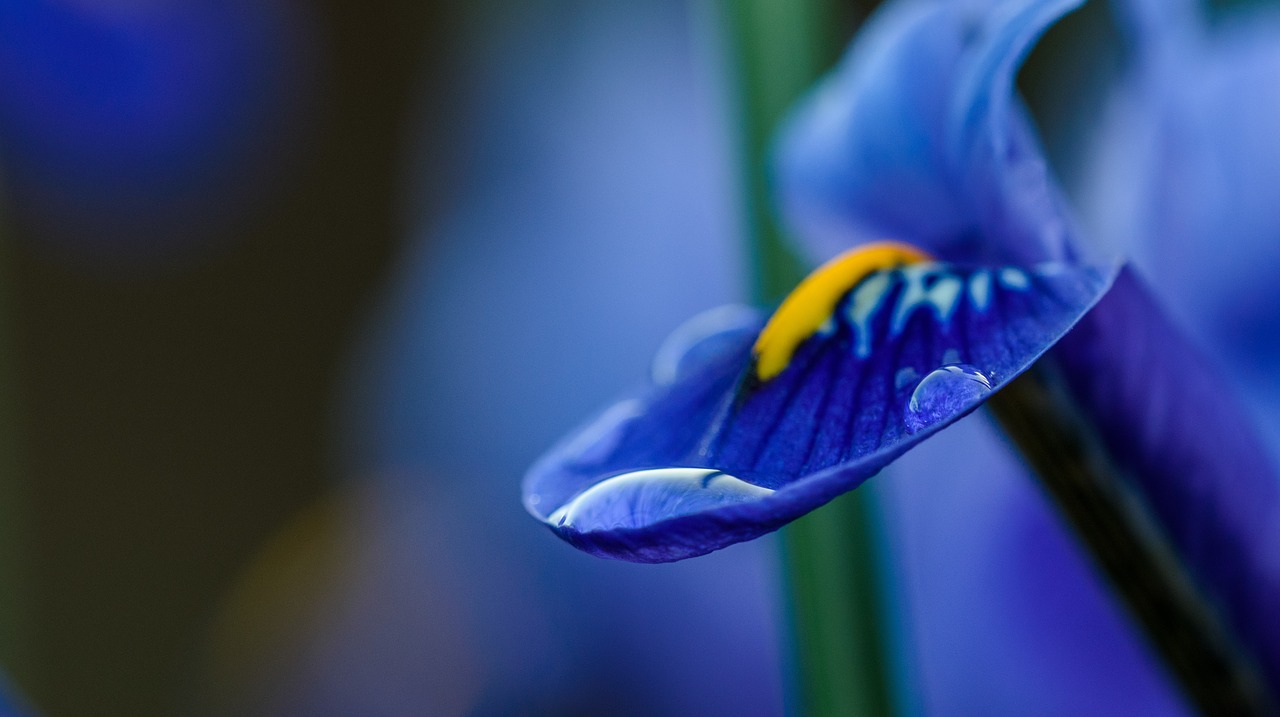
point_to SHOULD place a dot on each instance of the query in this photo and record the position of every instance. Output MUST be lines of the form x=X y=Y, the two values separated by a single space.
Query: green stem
x=780 y=48
x=831 y=557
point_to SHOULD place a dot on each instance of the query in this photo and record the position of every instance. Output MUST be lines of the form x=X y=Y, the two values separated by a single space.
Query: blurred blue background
x=295 y=293
x=294 y=290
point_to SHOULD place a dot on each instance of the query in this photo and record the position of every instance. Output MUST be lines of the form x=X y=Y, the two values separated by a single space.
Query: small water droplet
x=944 y=393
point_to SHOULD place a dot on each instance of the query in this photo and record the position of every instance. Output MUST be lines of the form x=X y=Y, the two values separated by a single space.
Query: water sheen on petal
x=632 y=499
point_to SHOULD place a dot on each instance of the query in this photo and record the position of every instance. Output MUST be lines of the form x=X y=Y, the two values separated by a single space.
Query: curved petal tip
x=918 y=134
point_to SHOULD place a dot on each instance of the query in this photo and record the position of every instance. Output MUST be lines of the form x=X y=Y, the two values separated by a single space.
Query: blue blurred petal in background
x=133 y=131
x=1183 y=176
x=594 y=212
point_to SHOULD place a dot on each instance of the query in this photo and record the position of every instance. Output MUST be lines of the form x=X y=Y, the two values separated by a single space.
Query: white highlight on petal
x=828 y=327
x=942 y=297
x=643 y=497
x=980 y=289
x=1014 y=278
x=924 y=286
x=866 y=298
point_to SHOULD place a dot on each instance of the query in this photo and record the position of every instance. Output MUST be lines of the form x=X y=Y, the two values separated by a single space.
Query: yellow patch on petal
x=807 y=307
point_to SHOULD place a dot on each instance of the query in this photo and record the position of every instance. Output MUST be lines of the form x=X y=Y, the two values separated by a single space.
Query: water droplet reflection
x=639 y=498
x=944 y=393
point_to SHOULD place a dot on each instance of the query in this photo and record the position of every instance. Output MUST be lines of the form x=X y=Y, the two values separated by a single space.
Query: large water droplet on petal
x=598 y=440
x=640 y=498
x=703 y=339
x=944 y=393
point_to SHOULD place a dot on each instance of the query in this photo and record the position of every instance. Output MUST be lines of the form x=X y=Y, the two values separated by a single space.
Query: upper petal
x=918 y=135
x=721 y=454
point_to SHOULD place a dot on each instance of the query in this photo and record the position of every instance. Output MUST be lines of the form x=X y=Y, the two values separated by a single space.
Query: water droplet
x=595 y=442
x=702 y=339
x=643 y=497
x=943 y=393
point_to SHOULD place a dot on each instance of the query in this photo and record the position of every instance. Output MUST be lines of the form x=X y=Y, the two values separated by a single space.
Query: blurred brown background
x=171 y=421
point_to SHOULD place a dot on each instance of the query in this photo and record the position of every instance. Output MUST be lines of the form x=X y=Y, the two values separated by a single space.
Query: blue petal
x=1191 y=454
x=1186 y=178
x=1157 y=27
x=720 y=455
x=991 y=584
x=917 y=135
x=1192 y=160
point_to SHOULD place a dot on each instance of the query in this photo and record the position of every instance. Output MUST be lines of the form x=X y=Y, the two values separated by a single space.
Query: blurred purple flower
x=1182 y=177
x=130 y=131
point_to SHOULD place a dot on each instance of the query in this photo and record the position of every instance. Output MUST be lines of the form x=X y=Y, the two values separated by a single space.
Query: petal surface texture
x=1168 y=422
x=918 y=135
x=723 y=452
x=1185 y=180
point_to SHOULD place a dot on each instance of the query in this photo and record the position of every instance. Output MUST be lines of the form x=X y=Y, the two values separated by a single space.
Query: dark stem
x=1115 y=525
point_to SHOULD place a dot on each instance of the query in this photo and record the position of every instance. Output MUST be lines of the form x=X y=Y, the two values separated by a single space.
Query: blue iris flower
x=919 y=136
x=748 y=426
